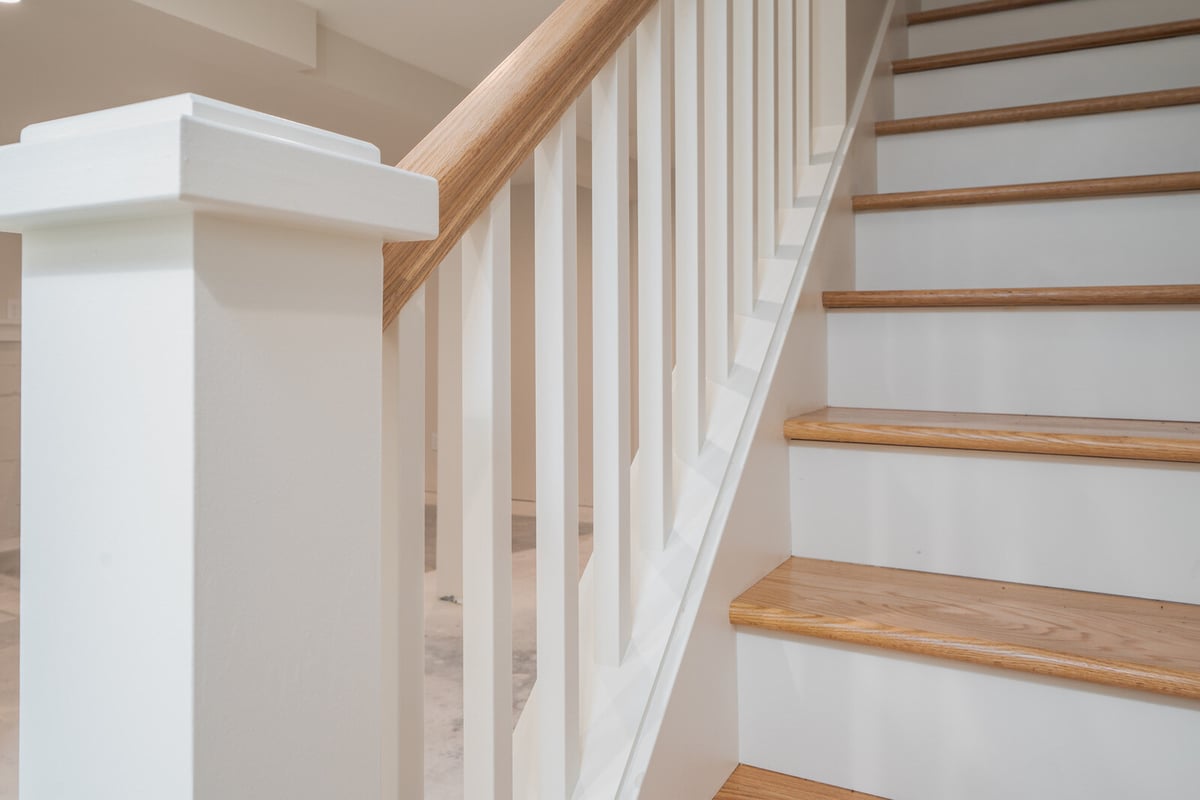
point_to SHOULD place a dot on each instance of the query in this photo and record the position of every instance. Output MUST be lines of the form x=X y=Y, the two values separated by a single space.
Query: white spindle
x=655 y=499
x=403 y=551
x=803 y=90
x=716 y=188
x=689 y=392
x=610 y=359
x=765 y=198
x=742 y=115
x=828 y=79
x=449 y=566
x=556 y=303
x=785 y=75
x=487 y=505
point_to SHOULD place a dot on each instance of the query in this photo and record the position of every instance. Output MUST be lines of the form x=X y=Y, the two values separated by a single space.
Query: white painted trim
x=186 y=153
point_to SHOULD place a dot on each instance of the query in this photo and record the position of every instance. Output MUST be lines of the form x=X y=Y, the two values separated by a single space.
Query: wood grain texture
x=1041 y=47
x=1176 y=294
x=1061 y=436
x=1131 y=643
x=1067 y=108
x=972 y=9
x=480 y=144
x=752 y=783
x=1028 y=192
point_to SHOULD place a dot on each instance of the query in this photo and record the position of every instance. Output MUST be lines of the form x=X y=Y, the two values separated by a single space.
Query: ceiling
x=460 y=40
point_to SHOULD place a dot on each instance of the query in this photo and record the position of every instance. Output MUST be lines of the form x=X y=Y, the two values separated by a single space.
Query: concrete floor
x=443 y=660
x=443 y=656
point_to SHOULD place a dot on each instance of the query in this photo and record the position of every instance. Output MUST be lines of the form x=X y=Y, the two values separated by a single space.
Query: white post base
x=202 y=450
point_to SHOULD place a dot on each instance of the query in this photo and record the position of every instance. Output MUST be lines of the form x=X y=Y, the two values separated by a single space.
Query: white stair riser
x=1042 y=22
x=1091 y=524
x=1129 y=143
x=914 y=728
x=1096 y=241
x=1120 y=362
x=1140 y=67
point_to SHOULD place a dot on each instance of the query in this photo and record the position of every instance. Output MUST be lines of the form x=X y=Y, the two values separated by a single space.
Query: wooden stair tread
x=1029 y=192
x=1062 y=44
x=972 y=9
x=1064 y=436
x=1137 y=101
x=1132 y=643
x=752 y=783
x=1173 y=294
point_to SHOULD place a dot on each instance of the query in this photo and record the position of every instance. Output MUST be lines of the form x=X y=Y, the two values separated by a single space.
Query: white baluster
x=744 y=263
x=716 y=188
x=689 y=392
x=487 y=505
x=803 y=57
x=785 y=73
x=655 y=510
x=449 y=575
x=829 y=71
x=765 y=198
x=403 y=551
x=556 y=337
x=610 y=359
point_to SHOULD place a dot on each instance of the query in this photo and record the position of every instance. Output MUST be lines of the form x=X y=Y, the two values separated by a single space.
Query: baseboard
x=521 y=508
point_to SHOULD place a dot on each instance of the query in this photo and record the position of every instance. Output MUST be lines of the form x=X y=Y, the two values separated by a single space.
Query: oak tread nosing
x=1166 y=294
x=753 y=783
x=1162 y=183
x=1005 y=433
x=972 y=9
x=1136 y=101
x=1062 y=44
x=1126 y=642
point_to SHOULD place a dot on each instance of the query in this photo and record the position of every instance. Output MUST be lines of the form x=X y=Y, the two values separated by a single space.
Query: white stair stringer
x=1103 y=525
x=1132 y=240
x=912 y=727
x=1109 y=362
x=1046 y=21
x=1144 y=142
x=1120 y=69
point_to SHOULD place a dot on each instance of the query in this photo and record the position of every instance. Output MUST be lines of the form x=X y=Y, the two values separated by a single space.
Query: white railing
x=723 y=130
x=202 y=254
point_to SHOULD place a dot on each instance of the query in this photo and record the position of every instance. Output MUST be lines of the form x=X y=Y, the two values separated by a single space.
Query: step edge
x=965 y=10
x=1130 y=448
x=1042 y=47
x=1082 y=188
x=984 y=652
x=1017 y=297
x=1037 y=112
x=809 y=787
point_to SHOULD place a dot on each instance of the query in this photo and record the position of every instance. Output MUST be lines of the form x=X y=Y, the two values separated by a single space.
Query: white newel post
x=201 y=433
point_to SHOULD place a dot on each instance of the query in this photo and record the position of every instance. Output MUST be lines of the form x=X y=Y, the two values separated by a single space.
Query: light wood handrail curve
x=482 y=142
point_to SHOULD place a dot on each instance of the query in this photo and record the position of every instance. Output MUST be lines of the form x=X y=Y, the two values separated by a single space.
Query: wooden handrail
x=482 y=142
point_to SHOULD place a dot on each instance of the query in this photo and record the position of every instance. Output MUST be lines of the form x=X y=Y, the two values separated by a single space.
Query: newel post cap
x=191 y=153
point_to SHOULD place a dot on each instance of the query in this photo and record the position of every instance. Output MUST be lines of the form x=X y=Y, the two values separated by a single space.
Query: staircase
x=994 y=590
